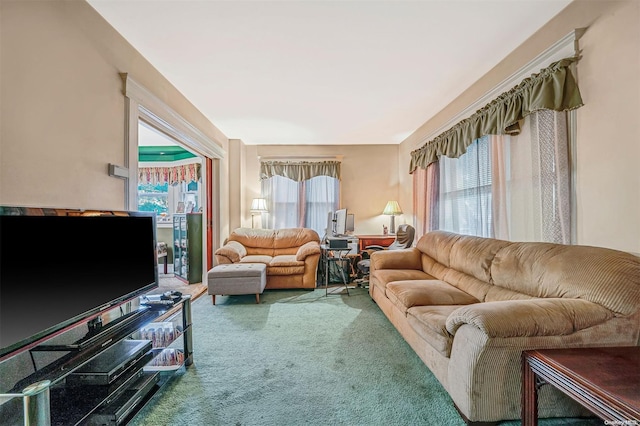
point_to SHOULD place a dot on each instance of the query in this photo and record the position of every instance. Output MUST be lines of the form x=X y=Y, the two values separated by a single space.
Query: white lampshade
x=392 y=208
x=258 y=205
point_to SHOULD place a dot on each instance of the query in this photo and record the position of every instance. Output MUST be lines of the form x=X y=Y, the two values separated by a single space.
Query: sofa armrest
x=532 y=317
x=232 y=250
x=396 y=259
x=307 y=249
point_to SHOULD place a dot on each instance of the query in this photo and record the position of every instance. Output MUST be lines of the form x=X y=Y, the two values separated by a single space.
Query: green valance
x=553 y=88
x=299 y=170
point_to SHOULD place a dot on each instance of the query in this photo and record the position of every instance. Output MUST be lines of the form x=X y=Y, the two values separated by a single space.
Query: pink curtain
x=426 y=185
x=172 y=175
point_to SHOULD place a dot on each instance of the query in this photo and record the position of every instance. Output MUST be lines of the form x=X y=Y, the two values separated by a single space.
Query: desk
x=606 y=381
x=337 y=256
x=375 y=240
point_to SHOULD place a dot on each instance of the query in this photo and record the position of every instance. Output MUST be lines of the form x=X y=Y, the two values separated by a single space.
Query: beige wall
x=62 y=115
x=63 y=111
x=608 y=129
x=369 y=178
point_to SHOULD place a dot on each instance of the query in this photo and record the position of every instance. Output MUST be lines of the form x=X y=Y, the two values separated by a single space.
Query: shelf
x=108 y=375
x=161 y=334
x=168 y=359
x=187 y=242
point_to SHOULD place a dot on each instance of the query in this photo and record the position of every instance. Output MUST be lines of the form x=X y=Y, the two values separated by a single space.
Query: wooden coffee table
x=606 y=381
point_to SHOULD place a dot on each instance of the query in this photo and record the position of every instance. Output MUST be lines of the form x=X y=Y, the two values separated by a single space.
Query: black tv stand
x=106 y=375
x=130 y=321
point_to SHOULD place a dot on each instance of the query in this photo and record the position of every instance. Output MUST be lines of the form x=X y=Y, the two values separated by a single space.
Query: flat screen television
x=60 y=266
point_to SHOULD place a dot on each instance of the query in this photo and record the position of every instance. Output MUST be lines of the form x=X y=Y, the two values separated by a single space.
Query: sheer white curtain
x=534 y=189
x=510 y=187
x=283 y=197
x=322 y=195
x=300 y=204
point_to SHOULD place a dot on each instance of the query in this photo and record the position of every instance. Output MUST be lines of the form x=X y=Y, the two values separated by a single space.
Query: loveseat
x=469 y=306
x=291 y=254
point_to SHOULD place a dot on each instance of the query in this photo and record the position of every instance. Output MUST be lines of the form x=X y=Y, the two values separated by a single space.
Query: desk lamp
x=392 y=209
x=258 y=206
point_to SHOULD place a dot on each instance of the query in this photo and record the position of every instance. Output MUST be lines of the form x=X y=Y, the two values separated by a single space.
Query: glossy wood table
x=374 y=240
x=606 y=381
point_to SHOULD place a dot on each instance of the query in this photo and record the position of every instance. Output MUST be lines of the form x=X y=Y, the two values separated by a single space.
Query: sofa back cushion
x=273 y=242
x=474 y=255
x=437 y=245
x=456 y=256
x=604 y=276
x=491 y=270
x=255 y=241
x=288 y=240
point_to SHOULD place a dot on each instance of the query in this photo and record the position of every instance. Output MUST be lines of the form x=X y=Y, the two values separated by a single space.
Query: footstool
x=237 y=278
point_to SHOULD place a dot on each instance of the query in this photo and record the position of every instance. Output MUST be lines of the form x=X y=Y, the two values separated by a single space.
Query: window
x=465 y=191
x=155 y=198
x=163 y=198
x=285 y=203
x=509 y=187
x=321 y=197
x=301 y=204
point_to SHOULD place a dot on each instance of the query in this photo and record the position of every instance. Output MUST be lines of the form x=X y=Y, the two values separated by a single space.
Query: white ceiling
x=324 y=72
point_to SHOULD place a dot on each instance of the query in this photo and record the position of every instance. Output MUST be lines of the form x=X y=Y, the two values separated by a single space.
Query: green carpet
x=300 y=358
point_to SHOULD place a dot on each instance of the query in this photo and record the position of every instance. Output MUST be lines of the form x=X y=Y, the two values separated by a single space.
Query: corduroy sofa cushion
x=406 y=294
x=469 y=306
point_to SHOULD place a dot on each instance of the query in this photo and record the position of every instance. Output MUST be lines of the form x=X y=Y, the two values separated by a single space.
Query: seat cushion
x=406 y=294
x=430 y=323
x=256 y=258
x=381 y=277
x=285 y=264
x=286 y=260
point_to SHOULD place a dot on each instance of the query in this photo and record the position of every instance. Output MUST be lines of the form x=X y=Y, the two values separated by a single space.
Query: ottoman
x=237 y=278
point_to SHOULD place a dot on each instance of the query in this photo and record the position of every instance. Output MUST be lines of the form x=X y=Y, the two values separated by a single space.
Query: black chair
x=404 y=239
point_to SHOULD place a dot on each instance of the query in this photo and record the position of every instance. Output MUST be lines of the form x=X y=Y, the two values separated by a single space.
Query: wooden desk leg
x=529 y=394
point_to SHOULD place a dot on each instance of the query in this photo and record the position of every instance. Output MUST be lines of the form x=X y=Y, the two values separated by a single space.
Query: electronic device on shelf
x=65 y=270
x=351 y=225
x=111 y=364
x=116 y=412
x=71 y=284
x=337 y=243
x=161 y=301
x=341 y=222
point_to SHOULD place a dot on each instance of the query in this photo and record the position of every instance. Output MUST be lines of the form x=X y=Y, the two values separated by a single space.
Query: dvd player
x=338 y=243
x=110 y=364
x=119 y=409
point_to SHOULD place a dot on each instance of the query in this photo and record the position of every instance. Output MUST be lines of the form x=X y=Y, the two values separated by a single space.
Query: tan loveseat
x=469 y=306
x=291 y=254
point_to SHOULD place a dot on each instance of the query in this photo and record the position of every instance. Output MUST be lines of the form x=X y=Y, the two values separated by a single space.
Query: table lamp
x=392 y=209
x=258 y=206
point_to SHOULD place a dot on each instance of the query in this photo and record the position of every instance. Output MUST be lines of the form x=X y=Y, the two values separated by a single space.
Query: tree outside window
x=155 y=198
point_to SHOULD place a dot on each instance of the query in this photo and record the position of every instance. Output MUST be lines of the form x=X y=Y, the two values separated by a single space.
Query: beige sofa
x=469 y=306
x=291 y=254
